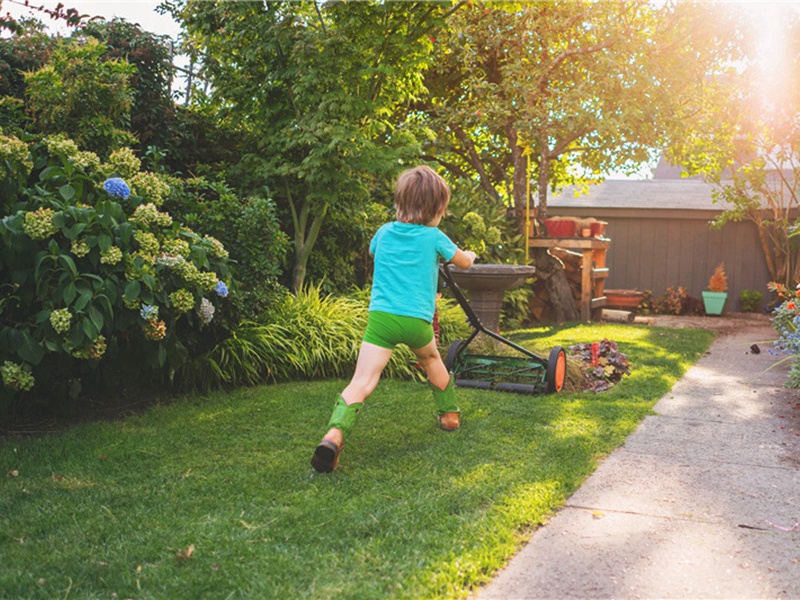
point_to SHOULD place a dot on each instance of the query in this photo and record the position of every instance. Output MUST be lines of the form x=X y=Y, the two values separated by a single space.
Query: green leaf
x=125 y=232
x=86 y=296
x=70 y=292
x=30 y=350
x=89 y=329
x=96 y=317
x=132 y=291
x=149 y=281
x=67 y=192
x=69 y=263
x=161 y=355
x=75 y=336
x=104 y=241
x=73 y=232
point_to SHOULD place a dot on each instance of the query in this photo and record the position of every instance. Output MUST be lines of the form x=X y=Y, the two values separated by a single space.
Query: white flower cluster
x=206 y=311
x=169 y=260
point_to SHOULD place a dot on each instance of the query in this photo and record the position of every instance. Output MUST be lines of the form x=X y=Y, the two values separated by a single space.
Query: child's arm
x=463 y=259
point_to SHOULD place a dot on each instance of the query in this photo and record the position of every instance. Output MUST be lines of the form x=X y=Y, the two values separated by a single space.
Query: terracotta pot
x=598 y=228
x=560 y=228
x=628 y=299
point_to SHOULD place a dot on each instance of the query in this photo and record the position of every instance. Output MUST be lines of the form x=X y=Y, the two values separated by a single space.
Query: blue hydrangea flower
x=221 y=289
x=148 y=312
x=116 y=186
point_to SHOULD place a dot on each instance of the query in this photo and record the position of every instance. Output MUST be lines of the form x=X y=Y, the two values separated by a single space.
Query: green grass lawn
x=112 y=508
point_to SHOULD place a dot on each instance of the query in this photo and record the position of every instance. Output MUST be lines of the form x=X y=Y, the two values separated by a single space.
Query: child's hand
x=463 y=259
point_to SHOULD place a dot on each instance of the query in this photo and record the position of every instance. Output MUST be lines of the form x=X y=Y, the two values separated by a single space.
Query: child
x=401 y=308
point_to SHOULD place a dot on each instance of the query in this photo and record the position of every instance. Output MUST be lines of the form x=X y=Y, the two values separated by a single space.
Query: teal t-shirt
x=407 y=268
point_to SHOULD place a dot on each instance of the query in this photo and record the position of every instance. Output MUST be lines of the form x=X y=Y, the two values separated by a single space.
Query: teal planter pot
x=714 y=302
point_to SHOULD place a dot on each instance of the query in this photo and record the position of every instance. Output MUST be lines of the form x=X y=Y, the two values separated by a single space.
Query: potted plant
x=716 y=294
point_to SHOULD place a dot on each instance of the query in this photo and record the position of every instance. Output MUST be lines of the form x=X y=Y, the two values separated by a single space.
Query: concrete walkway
x=687 y=508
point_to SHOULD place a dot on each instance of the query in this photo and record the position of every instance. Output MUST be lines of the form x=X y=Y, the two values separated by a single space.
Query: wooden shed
x=660 y=236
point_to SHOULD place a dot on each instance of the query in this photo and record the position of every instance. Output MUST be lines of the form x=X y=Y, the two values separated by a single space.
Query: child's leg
x=441 y=384
x=371 y=361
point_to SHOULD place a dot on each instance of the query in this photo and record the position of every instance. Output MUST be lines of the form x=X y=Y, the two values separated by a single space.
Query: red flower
x=791 y=305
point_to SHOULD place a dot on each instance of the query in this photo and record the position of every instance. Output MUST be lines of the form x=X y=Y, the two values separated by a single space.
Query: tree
x=587 y=87
x=315 y=87
x=748 y=145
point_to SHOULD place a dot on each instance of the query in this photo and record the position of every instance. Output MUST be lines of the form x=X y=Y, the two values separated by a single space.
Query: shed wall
x=652 y=250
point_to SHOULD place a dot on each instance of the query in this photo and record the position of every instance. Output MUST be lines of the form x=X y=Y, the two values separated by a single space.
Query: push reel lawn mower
x=528 y=374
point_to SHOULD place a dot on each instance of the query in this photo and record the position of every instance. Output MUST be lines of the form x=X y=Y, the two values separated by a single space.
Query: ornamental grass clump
x=309 y=335
x=89 y=294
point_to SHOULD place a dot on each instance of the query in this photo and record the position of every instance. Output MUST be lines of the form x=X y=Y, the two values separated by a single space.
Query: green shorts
x=387 y=330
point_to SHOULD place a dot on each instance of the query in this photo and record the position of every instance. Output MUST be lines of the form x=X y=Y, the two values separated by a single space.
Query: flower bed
x=603 y=364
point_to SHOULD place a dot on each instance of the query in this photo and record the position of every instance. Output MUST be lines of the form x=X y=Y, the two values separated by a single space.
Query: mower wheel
x=556 y=370
x=452 y=353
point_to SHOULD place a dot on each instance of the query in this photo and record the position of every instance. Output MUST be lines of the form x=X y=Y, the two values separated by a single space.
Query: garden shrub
x=84 y=95
x=247 y=227
x=676 y=301
x=751 y=300
x=100 y=286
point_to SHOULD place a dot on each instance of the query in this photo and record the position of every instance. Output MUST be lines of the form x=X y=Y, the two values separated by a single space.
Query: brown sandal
x=326 y=456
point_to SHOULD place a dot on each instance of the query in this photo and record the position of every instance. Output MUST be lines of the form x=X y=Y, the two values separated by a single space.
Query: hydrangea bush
x=95 y=277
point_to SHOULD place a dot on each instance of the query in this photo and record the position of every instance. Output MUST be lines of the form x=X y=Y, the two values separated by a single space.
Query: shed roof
x=660 y=194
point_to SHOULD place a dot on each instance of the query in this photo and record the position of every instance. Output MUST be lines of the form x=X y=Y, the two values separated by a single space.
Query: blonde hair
x=420 y=195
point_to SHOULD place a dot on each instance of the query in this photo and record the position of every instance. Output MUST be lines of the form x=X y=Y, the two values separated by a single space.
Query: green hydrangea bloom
x=182 y=300
x=87 y=161
x=61 y=144
x=150 y=186
x=60 y=319
x=179 y=247
x=80 y=248
x=217 y=249
x=15 y=151
x=15 y=377
x=38 y=225
x=111 y=256
x=146 y=215
x=124 y=163
x=148 y=245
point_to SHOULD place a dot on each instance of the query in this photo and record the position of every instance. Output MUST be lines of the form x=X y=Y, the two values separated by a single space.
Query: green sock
x=344 y=416
x=446 y=400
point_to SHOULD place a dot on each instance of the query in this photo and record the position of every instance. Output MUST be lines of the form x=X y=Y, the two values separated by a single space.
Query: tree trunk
x=548 y=268
x=551 y=271
x=305 y=236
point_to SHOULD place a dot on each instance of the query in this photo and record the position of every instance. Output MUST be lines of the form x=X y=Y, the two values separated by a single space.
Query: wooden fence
x=652 y=249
